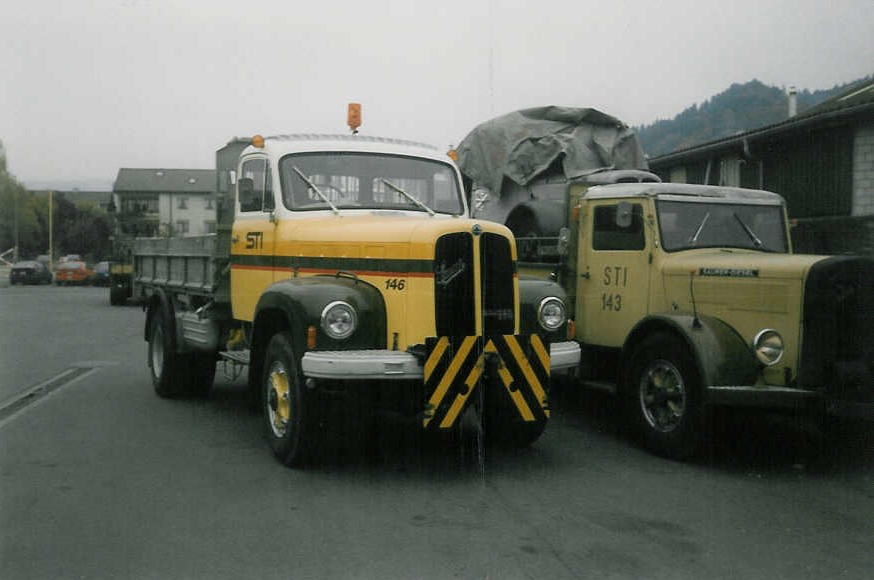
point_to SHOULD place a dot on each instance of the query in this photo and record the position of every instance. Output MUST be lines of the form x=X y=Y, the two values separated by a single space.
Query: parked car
x=73 y=273
x=101 y=274
x=30 y=272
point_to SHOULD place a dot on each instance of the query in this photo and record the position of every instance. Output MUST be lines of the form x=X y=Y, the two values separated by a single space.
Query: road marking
x=17 y=403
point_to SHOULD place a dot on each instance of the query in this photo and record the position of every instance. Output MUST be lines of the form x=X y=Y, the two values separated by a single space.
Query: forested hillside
x=739 y=108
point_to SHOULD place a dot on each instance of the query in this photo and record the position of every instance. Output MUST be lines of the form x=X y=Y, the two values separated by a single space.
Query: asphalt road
x=103 y=479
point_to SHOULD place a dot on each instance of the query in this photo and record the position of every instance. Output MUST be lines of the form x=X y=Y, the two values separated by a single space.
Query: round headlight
x=339 y=320
x=551 y=313
x=768 y=346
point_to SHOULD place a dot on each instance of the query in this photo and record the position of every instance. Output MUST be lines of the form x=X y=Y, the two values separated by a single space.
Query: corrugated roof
x=858 y=94
x=165 y=180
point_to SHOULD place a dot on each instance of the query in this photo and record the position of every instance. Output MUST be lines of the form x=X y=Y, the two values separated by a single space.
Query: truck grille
x=838 y=328
x=496 y=265
x=454 y=285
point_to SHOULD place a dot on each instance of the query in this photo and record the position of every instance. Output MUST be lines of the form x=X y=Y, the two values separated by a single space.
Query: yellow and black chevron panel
x=523 y=372
x=455 y=367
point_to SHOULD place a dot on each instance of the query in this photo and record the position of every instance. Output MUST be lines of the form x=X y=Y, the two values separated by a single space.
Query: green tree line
x=739 y=108
x=25 y=215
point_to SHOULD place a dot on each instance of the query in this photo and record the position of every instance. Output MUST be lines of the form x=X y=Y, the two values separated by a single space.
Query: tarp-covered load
x=522 y=145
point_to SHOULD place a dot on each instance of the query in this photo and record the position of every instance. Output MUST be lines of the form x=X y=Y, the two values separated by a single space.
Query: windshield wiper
x=315 y=188
x=408 y=196
x=756 y=241
x=693 y=239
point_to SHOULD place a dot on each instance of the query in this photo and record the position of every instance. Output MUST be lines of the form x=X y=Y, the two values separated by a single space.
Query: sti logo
x=254 y=240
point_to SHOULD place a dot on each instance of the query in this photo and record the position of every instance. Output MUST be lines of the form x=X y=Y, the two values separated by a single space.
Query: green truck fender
x=297 y=303
x=532 y=293
x=722 y=355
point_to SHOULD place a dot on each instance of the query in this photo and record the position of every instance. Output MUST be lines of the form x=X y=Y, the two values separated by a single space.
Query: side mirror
x=563 y=241
x=623 y=215
x=480 y=199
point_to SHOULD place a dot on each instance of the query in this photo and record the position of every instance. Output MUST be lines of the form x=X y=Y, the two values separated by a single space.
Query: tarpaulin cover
x=523 y=144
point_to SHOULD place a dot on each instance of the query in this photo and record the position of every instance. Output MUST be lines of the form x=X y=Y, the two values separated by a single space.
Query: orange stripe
x=334 y=271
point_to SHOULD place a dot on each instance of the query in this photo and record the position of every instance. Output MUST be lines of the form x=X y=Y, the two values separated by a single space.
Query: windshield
x=695 y=224
x=369 y=181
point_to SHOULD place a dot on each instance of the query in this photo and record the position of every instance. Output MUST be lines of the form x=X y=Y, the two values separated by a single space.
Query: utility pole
x=15 y=222
x=51 y=260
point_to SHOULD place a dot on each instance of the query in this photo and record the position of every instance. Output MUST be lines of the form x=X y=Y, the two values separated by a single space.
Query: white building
x=165 y=202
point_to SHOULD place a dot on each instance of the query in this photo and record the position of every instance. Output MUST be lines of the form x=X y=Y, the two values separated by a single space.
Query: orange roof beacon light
x=258 y=141
x=453 y=154
x=353 y=117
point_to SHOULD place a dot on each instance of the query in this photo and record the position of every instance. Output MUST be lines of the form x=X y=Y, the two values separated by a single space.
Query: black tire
x=175 y=374
x=289 y=410
x=167 y=367
x=663 y=397
x=507 y=431
x=504 y=426
x=117 y=296
x=201 y=374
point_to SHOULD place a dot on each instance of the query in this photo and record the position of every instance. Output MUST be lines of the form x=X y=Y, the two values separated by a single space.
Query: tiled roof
x=165 y=180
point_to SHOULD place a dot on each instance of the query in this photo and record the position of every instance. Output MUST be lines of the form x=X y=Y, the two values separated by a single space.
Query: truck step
x=237 y=356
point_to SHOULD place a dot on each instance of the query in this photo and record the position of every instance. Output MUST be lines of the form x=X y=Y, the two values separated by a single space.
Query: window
x=618 y=227
x=255 y=179
x=207 y=203
x=182 y=227
x=209 y=226
x=713 y=223
x=182 y=203
x=139 y=205
x=368 y=180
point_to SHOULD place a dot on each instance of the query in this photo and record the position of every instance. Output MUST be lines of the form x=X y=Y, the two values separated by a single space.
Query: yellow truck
x=347 y=265
x=684 y=296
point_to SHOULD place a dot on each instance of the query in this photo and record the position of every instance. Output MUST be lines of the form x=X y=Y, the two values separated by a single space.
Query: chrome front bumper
x=397 y=365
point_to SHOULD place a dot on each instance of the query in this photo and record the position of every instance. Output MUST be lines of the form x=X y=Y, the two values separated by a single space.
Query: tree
x=18 y=218
x=24 y=218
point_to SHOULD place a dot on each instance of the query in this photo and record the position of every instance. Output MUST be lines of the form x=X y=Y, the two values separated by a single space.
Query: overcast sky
x=89 y=86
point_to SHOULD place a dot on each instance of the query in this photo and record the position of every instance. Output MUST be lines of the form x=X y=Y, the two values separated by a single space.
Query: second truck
x=683 y=296
x=349 y=264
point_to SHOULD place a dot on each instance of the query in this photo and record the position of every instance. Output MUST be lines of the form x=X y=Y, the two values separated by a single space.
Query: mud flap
x=456 y=367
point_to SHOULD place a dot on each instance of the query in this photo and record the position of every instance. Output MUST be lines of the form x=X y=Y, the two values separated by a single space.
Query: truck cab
x=688 y=295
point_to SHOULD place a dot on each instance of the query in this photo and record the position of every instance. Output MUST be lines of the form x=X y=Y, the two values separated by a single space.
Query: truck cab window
x=608 y=233
x=251 y=187
x=368 y=181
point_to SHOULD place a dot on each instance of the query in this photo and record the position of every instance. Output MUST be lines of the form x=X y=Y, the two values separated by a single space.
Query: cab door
x=253 y=236
x=613 y=271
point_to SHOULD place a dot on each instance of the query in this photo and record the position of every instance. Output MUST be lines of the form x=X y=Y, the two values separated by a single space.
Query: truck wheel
x=513 y=433
x=289 y=411
x=117 y=296
x=168 y=368
x=663 y=397
x=504 y=426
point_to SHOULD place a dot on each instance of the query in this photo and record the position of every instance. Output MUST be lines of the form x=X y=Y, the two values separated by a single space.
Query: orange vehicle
x=73 y=272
